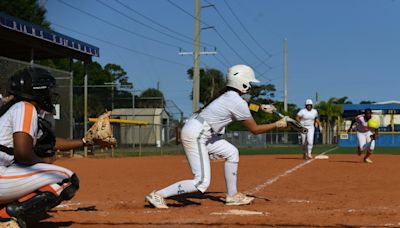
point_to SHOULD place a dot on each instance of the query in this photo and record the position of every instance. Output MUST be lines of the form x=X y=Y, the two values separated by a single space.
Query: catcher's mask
x=34 y=84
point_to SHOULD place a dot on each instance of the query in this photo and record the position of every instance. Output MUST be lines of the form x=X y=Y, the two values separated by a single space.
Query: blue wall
x=384 y=140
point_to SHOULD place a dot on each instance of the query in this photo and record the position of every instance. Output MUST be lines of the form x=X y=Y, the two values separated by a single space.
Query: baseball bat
x=291 y=122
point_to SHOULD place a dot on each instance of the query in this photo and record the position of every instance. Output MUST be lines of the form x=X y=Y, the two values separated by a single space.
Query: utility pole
x=285 y=93
x=196 y=67
x=285 y=102
x=196 y=57
x=85 y=104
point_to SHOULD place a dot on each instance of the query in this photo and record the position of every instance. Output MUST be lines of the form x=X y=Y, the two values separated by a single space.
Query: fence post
x=140 y=140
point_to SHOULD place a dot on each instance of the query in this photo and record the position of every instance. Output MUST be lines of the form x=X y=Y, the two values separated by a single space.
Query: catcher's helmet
x=33 y=84
x=240 y=77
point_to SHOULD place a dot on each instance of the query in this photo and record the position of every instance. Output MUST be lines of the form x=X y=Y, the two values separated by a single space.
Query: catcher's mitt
x=100 y=133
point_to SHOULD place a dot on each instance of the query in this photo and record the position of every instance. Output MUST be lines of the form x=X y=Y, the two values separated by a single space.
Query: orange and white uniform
x=17 y=180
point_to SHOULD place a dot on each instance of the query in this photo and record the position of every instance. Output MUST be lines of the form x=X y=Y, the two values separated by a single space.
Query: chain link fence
x=153 y=139
x=159 y=136
x=63 y=117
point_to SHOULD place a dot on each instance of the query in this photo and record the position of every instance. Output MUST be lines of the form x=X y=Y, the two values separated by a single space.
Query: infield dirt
x=341 y=191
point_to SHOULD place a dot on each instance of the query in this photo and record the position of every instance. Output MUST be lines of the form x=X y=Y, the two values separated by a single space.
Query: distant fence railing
x=159 y=139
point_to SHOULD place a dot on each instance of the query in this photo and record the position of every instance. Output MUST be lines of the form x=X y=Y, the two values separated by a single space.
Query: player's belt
x=202 y=121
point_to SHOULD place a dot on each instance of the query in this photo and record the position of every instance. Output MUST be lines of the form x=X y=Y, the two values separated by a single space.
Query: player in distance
x=308 y=117
x=367 y=130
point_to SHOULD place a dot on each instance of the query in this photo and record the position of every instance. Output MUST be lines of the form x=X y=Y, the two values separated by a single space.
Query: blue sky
x=336 y=48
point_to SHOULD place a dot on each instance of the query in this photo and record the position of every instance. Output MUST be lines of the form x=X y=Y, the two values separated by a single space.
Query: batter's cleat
x=305 y=156
x=156 y=200
x=309 y=156
x=238 y=199
x=367 y=160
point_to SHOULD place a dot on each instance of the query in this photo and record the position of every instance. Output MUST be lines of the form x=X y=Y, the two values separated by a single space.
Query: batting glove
x=282 y=123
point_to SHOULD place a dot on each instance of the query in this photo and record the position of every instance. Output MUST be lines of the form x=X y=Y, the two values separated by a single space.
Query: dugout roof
x=23 y=40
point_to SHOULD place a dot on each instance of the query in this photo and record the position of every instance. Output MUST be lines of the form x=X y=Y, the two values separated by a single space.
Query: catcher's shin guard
x=69 y=191
x=41 y=200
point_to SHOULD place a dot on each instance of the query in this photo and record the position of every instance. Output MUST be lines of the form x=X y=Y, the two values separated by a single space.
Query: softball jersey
x=365 y=142
x=201 y=141
x=307 y=120
x=17 y=180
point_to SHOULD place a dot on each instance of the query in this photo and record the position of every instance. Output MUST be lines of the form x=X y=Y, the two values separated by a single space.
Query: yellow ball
x=373 y=123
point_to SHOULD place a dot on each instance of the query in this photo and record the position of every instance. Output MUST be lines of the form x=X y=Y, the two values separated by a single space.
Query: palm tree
x=212 y=81
x=329 y=112
x=343 y=100
x=150 y=98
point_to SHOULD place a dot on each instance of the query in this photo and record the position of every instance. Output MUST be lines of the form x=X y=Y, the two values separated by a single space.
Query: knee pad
x=69 y=191
x=42 y=200
x=38 y=202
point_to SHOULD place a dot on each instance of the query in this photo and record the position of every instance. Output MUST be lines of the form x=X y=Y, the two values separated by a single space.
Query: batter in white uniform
x=308 y=117
x=201 y=140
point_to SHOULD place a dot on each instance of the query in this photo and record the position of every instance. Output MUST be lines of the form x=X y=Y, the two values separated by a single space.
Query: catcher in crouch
x=30 y=184
x=201 y=140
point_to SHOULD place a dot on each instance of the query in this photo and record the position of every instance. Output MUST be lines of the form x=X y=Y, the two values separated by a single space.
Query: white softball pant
x=308 y=139
x=201 y=145
x=365 y=142
x=17 y=180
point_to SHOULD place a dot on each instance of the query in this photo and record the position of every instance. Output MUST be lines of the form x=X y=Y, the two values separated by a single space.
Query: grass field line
x=287 y=172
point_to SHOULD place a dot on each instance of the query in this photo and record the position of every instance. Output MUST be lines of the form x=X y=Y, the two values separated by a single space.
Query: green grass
x=271 y=149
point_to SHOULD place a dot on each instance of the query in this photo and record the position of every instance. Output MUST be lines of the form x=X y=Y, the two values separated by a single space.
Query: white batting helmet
x=309 y=102
x=240 y=77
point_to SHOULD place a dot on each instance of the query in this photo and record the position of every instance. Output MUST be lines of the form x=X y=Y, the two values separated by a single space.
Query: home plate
x=240 y=212
x=322 y=156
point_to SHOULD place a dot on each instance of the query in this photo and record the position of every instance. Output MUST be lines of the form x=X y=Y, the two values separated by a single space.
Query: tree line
x=101 y=97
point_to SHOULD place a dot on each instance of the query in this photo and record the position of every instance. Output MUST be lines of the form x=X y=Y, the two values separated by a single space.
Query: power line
x=226 y=60
x=186 y=12
x=216 y=31
x=120 y=46
x=247 y=31
x=219 y=60
x=143 y=24
x=237 y=36
x=220 y=36
x=163 y=26
x=230 y=47
x=117 y=26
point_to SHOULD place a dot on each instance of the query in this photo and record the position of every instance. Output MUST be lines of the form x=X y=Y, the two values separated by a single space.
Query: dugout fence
x=140 y=140
x=63 y=117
